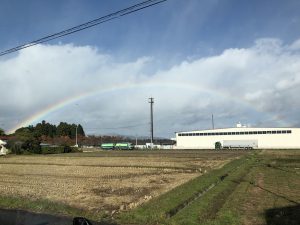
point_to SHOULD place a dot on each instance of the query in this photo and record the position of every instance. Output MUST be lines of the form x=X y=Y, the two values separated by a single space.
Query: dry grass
x=102 y=181
x=275 y=184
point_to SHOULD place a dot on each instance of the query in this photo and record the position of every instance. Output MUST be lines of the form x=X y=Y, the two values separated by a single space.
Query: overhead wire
x=86 y=25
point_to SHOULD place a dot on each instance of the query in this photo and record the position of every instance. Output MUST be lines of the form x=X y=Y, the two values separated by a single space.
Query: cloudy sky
x=236 y=59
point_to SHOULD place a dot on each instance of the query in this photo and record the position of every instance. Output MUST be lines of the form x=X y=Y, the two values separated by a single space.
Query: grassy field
x=99 y=184
x=260 y=188
x=158 y=187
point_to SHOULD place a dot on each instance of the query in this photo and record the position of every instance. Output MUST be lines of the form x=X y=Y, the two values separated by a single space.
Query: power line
x=86 y=25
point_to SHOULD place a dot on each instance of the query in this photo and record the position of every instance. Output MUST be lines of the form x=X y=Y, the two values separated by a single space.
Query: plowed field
x=104 y=181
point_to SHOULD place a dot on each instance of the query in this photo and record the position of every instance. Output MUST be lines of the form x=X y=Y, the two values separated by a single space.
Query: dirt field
x=104 y=181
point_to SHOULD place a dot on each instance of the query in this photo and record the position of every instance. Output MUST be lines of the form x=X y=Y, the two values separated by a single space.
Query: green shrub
x=58 y=149
x=67 y=149
x=52 y=150
x=15 y=147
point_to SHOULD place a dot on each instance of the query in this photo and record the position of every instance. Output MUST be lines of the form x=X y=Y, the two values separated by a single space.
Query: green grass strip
x=206 y=210
x=154 y=211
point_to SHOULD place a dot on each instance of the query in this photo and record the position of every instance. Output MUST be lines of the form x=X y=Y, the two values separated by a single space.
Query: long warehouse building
x=240 y=137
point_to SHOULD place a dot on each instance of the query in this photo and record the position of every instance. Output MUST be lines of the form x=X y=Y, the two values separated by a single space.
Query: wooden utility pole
x=151 y=101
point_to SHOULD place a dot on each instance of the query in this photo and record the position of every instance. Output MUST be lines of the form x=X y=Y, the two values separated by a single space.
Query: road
x=21 y=217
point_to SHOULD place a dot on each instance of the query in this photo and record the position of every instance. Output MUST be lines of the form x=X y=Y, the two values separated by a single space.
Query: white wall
x=264 y=140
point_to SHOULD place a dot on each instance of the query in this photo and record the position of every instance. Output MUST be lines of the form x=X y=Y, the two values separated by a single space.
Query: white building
x=3 y=150
x=154 y=146
x=241 y=136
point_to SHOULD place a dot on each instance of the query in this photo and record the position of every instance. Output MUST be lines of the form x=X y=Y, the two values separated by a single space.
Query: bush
x=58 y=149
x=67 y=149
x=15 y=147
x=26 y=143
x=32 y=146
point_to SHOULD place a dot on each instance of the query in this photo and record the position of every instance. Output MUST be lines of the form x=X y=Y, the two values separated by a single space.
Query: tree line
x=28 y=139
x=49 y=130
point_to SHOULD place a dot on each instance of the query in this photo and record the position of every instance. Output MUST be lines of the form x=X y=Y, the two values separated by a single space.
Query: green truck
x=124 y=146
x=107 y=146
x=117 y=146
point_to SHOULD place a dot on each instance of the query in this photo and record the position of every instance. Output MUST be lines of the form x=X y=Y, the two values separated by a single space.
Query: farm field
x=102 y=183
x=158 y=187
x=262 y=188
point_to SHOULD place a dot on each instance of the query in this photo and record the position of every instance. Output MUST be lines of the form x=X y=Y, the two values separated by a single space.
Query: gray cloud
x=257 y=85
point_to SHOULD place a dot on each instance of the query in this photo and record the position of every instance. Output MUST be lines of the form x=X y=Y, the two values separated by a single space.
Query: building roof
x=241 y=129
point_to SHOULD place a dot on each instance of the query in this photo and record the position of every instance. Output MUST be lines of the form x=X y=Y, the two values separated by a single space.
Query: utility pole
x=212 y=121
x=151 y=101
x=135 y=140
x=76 y=136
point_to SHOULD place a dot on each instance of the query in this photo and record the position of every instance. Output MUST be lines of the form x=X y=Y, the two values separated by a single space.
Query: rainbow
x=40 y=115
